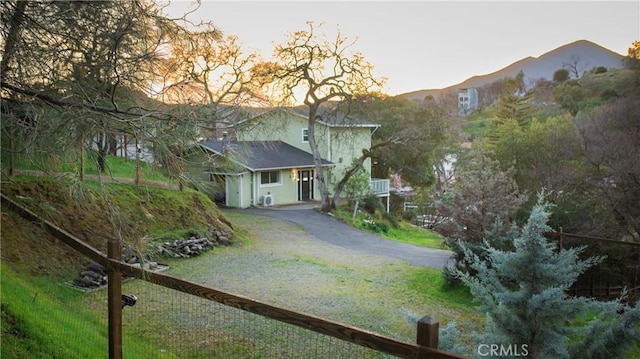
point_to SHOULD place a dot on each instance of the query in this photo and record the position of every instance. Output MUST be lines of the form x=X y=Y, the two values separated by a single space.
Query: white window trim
x=303 y=136
x=274 y=184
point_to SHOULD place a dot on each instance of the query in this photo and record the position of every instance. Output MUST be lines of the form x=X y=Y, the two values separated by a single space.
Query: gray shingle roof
x=332 y=118
x=262 y=155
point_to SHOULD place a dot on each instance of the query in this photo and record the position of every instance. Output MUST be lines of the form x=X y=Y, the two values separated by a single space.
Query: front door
x=305 y=185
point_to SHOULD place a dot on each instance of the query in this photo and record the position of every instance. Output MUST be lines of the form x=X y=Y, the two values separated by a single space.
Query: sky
x=429 y=44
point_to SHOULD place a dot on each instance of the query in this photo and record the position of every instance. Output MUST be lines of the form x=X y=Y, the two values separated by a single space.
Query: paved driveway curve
x=331 y=230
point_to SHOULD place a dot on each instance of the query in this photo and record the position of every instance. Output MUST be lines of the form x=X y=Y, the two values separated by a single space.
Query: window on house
x=270 y=177
x=305 y=135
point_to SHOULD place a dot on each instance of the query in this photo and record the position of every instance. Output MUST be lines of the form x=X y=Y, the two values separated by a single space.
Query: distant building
x=467 y=101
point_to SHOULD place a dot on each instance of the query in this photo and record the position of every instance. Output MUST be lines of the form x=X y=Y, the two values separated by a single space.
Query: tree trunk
x=326 y=203
x=12 y=157
x=112 y=144
x=82 y=161
x=125 y=147
x=102 y=152
x=348 y=175
x=101 y=162
x=82 y=165
x=15 y=26
x=138 y=178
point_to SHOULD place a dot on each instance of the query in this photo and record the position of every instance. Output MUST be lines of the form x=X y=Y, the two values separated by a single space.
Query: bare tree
x=575 y=66
x=611 y=135
x=481 y=206
x=320 y=71
x=483 y=195
x=207 y=69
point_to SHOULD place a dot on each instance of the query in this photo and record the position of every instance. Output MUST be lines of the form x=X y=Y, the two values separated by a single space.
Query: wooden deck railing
x=379 y=186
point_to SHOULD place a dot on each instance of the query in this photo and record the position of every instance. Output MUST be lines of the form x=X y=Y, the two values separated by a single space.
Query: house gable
x=276 y=125
x=339 y=138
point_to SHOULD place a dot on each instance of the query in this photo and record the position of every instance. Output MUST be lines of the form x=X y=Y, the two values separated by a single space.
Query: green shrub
x=372 y=203
x=391 y=218
x=409 y=215
x=377 y=227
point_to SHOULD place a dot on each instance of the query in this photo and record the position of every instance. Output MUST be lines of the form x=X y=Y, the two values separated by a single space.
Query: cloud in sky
x=431 y=44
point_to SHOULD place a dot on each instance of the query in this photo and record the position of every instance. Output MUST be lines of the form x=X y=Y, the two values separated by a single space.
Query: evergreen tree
x=523 y=293
x=514 y=107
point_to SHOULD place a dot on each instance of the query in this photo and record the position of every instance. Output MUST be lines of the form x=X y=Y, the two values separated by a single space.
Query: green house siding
x=280 y=172
x=280 y=125
x=339 y=145
x=284 y=191
x=287 y=127
x=242 y=193
x=238 y=190
x=233 y=190
x=346 y=145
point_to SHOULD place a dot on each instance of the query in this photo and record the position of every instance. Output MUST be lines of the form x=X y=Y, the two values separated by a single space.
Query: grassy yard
x=116 y=167
x=275 y=262
x=411 y=234
x=404 y=232
x=271 y=261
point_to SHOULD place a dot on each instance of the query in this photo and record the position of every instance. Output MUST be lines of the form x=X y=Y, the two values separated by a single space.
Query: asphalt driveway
x=331 y=230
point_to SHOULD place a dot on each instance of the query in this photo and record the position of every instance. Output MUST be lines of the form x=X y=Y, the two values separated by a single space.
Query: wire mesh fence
x=172 y=324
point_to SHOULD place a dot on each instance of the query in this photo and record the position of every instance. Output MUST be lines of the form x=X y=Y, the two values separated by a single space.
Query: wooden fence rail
x=560 y=235
x=596 y=285
x=426 y=345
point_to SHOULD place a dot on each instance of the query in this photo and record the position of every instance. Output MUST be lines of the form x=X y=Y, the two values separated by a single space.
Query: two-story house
x=269 y=160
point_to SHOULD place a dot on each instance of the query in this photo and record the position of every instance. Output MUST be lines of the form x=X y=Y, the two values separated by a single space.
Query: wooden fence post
x=428 y=327
x=560 y=240
x=114 y=251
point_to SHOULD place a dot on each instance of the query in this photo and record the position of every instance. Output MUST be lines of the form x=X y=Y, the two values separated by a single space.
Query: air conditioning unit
x=267 y=201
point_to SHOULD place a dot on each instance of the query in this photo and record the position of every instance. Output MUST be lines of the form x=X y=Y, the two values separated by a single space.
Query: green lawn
x=415 y=235
x=117 y=167
x=404 y=232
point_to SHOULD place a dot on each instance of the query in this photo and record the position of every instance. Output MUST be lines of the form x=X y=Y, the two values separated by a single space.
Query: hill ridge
x=585 y=53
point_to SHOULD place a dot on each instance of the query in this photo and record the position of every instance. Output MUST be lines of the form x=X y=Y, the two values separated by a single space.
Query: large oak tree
x=319 y=72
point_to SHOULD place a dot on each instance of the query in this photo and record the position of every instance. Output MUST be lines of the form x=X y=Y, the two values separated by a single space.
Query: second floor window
x=305 y=135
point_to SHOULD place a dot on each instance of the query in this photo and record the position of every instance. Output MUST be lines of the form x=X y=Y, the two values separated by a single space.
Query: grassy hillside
x=34 y=263
x=600 y=86
x=42 y=319
x=94 y=213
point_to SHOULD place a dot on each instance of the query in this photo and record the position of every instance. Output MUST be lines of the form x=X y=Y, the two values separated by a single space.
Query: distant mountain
x=583 y=55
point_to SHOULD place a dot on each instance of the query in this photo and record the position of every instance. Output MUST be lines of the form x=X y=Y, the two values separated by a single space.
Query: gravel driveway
x=333 y=231
x=304 y=260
